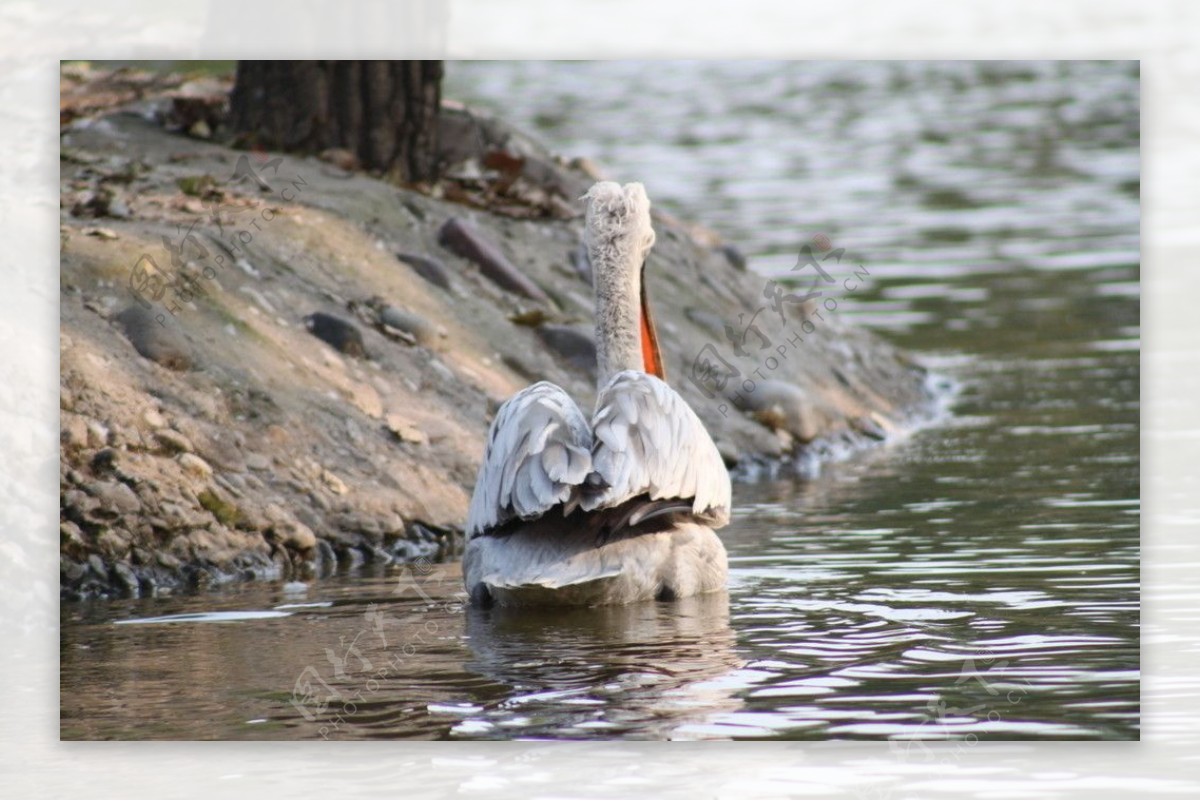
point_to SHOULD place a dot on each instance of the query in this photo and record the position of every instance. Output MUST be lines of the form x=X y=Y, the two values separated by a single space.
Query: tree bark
x=384 y=112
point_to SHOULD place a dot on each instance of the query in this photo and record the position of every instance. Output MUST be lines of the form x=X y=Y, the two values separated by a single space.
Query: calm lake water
x=977 y=580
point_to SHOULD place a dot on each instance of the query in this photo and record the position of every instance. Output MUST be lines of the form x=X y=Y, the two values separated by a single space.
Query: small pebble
x=465 y=240
x=127 y=578
x=256 y=461
x=431 y=270
x=576 y=347
x=157 y=340
x=173 y=441
x=340 y=334
x=104 y=460
x=200 y=130
x=734 y=256
x=101 y=233
x=414 y=325
x=335 y=484
x=97 y=566
x=295 y=534
x=444 y=372
x=97 y=434
x=405 y=431
x=116 y=496
x=782 y=406
x=193 y=464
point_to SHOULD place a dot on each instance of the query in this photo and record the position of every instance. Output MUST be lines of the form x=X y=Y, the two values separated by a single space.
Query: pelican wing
x=538 y=455
x=648 y=441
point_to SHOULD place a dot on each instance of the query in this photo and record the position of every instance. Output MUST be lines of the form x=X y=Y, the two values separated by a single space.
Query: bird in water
x=619 y=507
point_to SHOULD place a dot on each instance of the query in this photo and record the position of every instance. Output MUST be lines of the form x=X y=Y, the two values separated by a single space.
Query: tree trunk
x=384 y=112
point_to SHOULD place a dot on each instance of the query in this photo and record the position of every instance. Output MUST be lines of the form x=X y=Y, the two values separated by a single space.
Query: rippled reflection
x=640 y=670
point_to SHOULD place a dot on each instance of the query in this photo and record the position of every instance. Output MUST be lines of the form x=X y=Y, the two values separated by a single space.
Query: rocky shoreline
x=276 y=367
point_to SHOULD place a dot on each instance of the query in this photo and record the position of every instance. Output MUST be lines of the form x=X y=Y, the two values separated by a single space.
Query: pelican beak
x=651 y=355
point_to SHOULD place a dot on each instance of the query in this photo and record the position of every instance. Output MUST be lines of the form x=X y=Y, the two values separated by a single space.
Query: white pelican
x=618 y=509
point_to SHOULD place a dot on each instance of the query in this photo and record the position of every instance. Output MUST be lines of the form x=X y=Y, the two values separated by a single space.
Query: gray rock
x=340 y=334
x=575 y=347
x=194 y=465
x=874 y=426
x=116 y=497
x=780 y=405
x=352 y=557
x=70 y=538
x=125 y=437
x=153 y=419
x=518 y=366
x=430 y=269
x=365 y=526
x=405 y=431
x=414 y=325
x=465 y=240
x=443 y=372
x=127 y=579
x=97 y=434
x=78 y=505
x=233 y=484
x=119 y=209
x=105 y=460
x=274 y=513
x=294 y=534
x=734 y=256
x=70 y=570
x=392 y=526
x=173 y=441
x=96 y=564
x=252 y=518
x=327 y=558
x=156 y=339
x=113 y=542
x=222 y=448
x=379 y=556
x=256 y=461
x=177 y=517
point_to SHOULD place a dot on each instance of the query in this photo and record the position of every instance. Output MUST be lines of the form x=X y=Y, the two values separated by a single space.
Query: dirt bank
x=222 y=420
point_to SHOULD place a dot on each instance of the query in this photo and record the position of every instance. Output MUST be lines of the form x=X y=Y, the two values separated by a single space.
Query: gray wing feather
x=538 y=453
x=647 y=440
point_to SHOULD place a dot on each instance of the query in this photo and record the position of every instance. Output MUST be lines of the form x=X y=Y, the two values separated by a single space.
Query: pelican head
x=618 y=237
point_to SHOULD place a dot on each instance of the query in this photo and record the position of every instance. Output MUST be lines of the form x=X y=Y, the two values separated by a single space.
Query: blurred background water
x=977 y=580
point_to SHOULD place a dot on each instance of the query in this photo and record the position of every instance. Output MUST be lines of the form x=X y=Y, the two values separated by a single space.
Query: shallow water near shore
x=977 y=579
